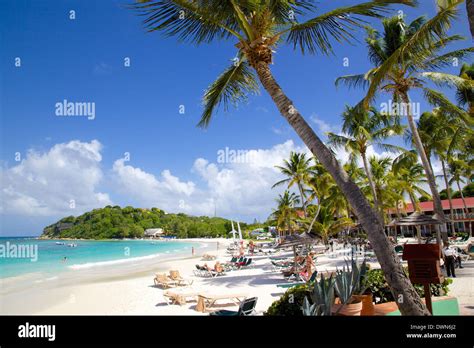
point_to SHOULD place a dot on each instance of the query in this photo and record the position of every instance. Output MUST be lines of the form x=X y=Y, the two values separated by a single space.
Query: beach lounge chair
x=244 y=263
x=174 y=275
x=161 y=279
x=246 y=307
x=179 y=296
x=198 y=271
x=208 y=300
x=204 y=272
x=208 y=257
x=290 y=284
x=470 y=251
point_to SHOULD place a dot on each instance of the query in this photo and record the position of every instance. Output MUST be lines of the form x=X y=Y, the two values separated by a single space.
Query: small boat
x=72 y=245
x=60 y=243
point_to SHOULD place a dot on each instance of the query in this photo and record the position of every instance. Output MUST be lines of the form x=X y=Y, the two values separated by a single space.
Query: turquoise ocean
x=54 y=256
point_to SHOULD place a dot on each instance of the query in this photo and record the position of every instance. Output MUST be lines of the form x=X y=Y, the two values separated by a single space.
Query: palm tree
x=326 y=225
x=402 y=57
x=363 y=129
x=460 y=169
x=410 y=181
x=285 y=215
x=437 y=133
x=465 y=94
x=258 y=27
x=380 y=170
x=297 y=171
x=469 y=9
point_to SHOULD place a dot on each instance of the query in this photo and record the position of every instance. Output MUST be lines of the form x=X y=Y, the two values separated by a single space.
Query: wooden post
x=428 y=297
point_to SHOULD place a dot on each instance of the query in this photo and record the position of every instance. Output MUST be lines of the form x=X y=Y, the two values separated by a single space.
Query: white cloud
x=239 y=188
x=167 y=192
x=62 y=181
x=323 y=126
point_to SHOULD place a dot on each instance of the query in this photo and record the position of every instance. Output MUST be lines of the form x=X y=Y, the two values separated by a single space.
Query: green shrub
x=377 y=285
x=290 y=303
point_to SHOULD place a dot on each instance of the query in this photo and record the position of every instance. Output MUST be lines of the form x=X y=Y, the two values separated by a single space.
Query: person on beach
x=251 y=247
x=218 y=267
x=242 y=249
x=449 y=255
x=309 y=264
x=192 y=250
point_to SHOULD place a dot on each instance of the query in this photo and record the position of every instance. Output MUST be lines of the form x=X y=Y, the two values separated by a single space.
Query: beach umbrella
x=295 y=240
x=240 y=231
x=419 y=219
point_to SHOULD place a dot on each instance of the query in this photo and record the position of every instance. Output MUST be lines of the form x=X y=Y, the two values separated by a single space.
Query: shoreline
x=130 y=290
x=35 y=293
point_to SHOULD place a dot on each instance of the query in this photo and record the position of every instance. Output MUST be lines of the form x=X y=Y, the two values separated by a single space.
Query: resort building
x=154 y=232
x=462 y=219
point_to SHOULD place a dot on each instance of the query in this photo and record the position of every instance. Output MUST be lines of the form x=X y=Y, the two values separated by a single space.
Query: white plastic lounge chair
x=180 y=296
x=206 y=300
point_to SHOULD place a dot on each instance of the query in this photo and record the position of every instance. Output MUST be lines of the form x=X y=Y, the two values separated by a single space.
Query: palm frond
x=315 y=34
x=415 y=47
x=447 y=59
x=353 y=81
x=231 y=87
x=190 y=21
x=443 y=79
x=437 y=99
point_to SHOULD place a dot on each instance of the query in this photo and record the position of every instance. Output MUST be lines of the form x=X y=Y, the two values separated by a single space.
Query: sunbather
x=218 y=267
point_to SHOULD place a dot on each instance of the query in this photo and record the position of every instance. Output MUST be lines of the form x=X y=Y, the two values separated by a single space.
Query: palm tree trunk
x=470 y=15
x=416 y=207
x=303 y=201
x=371 y=183
x=466 y=209
x=438 y=208
x=448 y=192
x=399 y=283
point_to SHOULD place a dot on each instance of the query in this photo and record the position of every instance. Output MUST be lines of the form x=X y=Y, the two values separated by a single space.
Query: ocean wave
x=111 y=262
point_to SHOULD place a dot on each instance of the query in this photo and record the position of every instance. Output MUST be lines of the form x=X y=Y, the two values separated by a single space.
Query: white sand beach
x=131 y=291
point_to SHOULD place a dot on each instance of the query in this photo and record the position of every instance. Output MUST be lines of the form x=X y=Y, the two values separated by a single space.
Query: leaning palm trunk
x=466 y=209
x=470 y=15
x=448 y=192
x=371 y=184
x=409 y=303
x=438 y=208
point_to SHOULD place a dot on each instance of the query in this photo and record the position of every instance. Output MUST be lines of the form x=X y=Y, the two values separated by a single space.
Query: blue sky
x=173 y=164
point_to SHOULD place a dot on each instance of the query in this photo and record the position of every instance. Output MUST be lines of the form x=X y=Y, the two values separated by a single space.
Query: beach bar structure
x=417 y=220
x=462 y=218
x=154 y=232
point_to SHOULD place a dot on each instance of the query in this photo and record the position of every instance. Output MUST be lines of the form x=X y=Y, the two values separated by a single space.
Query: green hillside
x=116 y=222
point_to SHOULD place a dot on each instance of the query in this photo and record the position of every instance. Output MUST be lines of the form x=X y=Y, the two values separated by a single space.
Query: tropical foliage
x=115 y=222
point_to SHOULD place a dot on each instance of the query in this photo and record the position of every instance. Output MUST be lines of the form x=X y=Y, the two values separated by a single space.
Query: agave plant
x=348 y=281
x=322 y=297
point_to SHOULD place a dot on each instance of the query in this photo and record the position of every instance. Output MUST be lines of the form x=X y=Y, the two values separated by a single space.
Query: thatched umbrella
x=392 y=224
x=295 y=240
x=419 y=219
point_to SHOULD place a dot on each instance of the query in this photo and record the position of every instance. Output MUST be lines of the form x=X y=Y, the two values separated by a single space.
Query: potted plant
x=322 y=297
x=350 y=291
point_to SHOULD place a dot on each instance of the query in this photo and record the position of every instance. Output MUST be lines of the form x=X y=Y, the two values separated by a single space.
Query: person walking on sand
x=449 y=254
x=309 y=263
x=242 y=249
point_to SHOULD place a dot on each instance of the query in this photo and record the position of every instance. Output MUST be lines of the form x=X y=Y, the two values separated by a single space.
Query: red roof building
x=460 y=218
